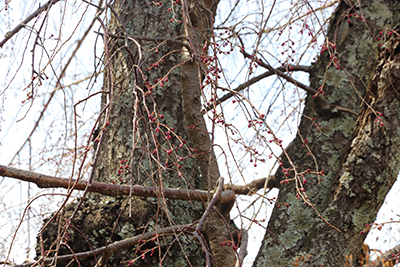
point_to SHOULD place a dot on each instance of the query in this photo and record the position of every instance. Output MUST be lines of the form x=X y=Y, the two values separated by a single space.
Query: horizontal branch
x=11 y=33
x=118 y=245
x=46 y=181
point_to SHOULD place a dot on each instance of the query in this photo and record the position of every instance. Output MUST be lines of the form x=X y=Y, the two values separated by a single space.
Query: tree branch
x=46 y=181
x=322 y=102
x=118 y=245
x=211 y=204
x=253 y=81
x=254 y=186
x=11 y=33
x=204 y=217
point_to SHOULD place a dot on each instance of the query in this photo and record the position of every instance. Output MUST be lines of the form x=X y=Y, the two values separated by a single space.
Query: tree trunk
x=144 y=139
x=356 y=156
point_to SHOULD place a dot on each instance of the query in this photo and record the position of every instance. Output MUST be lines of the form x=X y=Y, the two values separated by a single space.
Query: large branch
x=46 y=181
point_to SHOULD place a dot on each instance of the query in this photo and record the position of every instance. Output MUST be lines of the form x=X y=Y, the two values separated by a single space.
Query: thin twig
x=205 y=249
x=11 y=33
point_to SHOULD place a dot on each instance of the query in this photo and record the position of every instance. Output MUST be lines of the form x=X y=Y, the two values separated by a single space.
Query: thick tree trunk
x=358 y=154
x=145 y=139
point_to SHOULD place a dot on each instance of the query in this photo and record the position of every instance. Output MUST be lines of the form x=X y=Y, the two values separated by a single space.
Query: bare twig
x=11 y=33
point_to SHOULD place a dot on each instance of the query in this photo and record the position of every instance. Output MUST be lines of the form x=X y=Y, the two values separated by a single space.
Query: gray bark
x=153 y=158
x=360 y=156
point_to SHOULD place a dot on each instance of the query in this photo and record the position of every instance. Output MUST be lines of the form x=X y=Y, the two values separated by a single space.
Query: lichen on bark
x=351 y=190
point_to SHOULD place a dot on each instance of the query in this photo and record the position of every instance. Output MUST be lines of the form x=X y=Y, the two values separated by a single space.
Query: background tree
x=164 y=73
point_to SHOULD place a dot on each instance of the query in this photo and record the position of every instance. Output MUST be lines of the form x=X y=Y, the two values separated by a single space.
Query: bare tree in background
x=143 y=173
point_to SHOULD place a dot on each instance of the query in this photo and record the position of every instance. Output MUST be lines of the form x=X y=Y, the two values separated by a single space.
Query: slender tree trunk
x=358 y=153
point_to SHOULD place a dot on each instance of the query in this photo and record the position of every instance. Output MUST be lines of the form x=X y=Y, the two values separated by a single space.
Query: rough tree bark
x=358 y=154
x=145 y=137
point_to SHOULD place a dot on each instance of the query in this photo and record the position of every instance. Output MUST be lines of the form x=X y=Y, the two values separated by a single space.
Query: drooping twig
x=204 y=246
x=27 y=20
x=46 y=181
x=58 y=86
